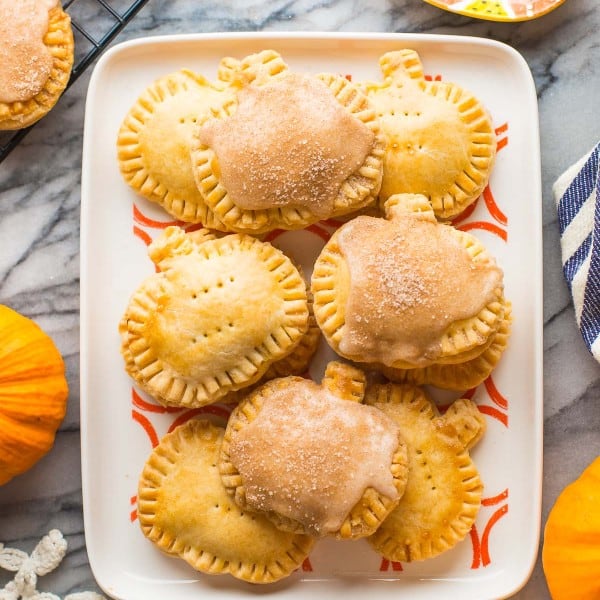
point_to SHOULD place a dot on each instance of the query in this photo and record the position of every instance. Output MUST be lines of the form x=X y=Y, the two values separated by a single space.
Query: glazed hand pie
x=291 y=150
x=184 y=509
x=217 y=315
x=462 y=376
x=36 y=57
x=406 y=291
x=154 y=140
x=312 y=457
x=444 y=490
x=440 y=139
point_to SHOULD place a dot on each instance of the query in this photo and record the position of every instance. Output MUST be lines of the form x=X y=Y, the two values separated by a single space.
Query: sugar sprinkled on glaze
x=310 y=456
x=289 y=143
x=409 y=280
x=25 y=62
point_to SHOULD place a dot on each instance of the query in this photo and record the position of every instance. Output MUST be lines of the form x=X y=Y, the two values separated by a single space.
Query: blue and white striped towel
x=577 y=195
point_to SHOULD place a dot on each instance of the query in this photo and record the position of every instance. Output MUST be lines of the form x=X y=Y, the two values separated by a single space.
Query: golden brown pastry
x=444 y=490
x=312 y=457
x=440 y=139
x=291 y=150
x=154 y=140
x=213 y=320
x=184 y=509
x=297 y=362
x=36 y=57
x=407 y=291
x=462 y=376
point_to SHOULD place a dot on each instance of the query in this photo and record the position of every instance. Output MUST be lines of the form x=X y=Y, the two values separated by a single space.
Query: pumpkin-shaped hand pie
x=407 y=291
x=571 y=552
x=312 y=457
x=184 y=509
x=154 y=140
x=443 y=493
x=290 y=150
x=440 y=139
x=36 y=57
x=33 y=393
x=216 y=316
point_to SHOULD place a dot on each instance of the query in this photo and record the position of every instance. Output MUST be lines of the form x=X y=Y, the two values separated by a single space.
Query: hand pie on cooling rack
x=36 y=57
x=214 y=319
x=407 y=291
x=461 y=376
x=153 y=144
x=312 y=458
x=291 y=150
x=443 y=493
x=440 y=139
x=184 y=509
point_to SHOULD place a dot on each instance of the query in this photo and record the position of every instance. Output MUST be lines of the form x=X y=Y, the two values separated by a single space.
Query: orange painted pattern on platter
x=133 y=513
x=147 y=425
x=486 y=226
x=332 y=223
x=306 y=565
x=476 y=547
x=490 y=202
x=142 y=219
x=194 y=227
x=500 y=414
x=502 y=142
x=495 y=499
x=469 y=393
x=485 y=550
x=493 y=207
x=140 y=233
x=465 y=214
x=494 y=394
x=322 y=233
x=501 y=129
x=273 y=235
x=494 y=412
x=211 y=409
x=481 y=550
x=140 y=403
x=387 y=564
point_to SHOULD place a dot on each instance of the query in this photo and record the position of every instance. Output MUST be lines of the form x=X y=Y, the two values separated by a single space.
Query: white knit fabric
x=46 y=556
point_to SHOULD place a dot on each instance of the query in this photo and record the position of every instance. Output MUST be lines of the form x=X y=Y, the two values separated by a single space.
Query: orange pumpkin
x=571 y=552
x=33 y=393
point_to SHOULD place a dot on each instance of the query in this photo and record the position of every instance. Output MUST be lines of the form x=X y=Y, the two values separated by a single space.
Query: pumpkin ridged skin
x=33 y=393
x=571 y=552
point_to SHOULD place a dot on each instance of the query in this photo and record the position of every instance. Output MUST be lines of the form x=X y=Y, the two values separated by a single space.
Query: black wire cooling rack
x=95 y=24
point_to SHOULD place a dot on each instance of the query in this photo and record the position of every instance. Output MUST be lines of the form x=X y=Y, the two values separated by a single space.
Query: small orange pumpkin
x=571 y=552
x=33 y=393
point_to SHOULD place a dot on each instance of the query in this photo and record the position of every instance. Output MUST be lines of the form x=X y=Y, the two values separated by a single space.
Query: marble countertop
x=39 y=234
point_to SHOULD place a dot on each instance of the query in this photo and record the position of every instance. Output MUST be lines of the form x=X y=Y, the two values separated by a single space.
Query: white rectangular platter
x=119 y=425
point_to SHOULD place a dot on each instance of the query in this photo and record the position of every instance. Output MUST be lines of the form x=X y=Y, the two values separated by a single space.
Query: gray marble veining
x=39 y=233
